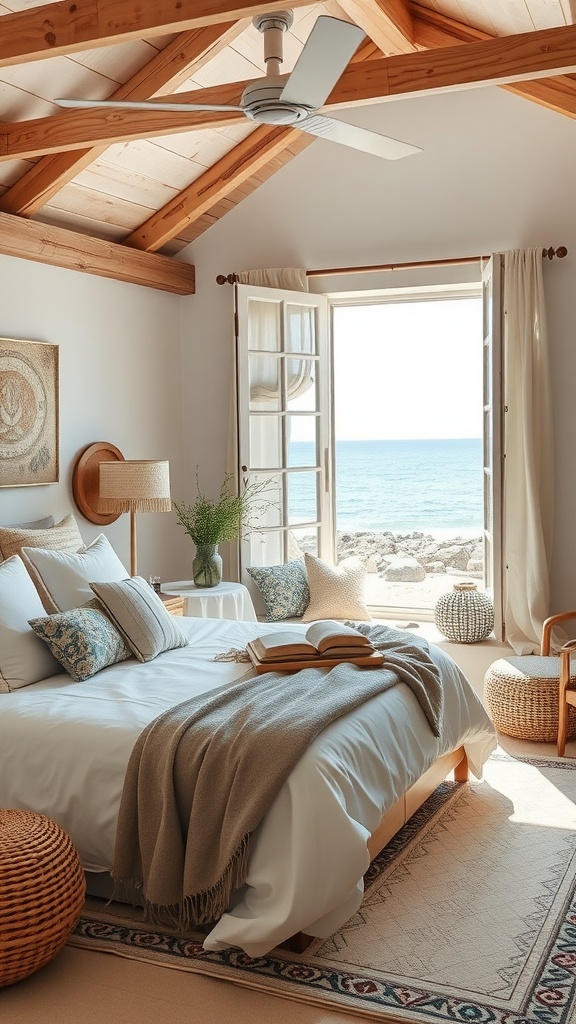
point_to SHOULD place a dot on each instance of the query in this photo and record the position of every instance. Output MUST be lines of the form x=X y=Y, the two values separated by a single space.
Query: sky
x=408 y=370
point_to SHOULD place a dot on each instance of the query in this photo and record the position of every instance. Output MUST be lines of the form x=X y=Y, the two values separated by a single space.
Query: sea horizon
x=425 y=485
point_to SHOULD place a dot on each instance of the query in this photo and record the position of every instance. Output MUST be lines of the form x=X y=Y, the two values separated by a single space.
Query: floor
x=80 y=987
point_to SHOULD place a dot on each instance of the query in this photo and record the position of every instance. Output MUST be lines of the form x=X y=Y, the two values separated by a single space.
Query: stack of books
x=325 y=644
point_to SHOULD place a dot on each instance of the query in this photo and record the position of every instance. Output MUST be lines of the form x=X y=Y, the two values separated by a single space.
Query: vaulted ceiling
x=121 y=192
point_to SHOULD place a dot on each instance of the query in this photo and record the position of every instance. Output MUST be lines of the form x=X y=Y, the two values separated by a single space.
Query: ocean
x=432 y=486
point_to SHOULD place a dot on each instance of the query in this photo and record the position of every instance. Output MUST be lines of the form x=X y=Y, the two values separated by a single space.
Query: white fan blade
x=357 y=138
x=326 y=53
x=144 y=105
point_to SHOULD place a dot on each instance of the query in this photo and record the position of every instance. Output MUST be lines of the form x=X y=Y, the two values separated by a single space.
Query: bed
x=65 y=745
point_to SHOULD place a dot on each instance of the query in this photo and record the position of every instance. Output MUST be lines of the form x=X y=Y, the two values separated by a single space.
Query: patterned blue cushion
x=284 y=589
x=83 y=640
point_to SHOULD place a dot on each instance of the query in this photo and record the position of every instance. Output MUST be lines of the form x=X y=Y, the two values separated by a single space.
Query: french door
x=284 y=422
x=492 y=310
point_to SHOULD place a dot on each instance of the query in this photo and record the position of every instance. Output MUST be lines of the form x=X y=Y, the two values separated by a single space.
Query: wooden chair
x=566 y=696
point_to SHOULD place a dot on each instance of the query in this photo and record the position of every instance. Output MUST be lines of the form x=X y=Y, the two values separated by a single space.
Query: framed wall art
x=28 y=413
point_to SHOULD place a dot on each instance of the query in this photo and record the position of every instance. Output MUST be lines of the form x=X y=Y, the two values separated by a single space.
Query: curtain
x=528 y=443
x=291 y=278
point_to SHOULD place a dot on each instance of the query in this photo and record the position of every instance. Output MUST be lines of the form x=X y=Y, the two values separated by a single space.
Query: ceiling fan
x=294 y=99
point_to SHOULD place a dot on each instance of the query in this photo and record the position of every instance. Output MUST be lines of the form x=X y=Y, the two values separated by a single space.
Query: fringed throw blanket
x=204 y=773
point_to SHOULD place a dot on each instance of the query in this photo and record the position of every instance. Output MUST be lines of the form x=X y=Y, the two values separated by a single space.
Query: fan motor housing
x=261 y=102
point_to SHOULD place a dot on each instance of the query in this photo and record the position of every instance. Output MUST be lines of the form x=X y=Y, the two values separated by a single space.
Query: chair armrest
x=548 y=626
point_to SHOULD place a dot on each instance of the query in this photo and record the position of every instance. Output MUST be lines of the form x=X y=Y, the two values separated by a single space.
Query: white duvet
x=64 y=747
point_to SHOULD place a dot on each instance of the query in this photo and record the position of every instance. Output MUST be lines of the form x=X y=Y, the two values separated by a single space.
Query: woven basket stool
x=521 y=694
x=41 y=892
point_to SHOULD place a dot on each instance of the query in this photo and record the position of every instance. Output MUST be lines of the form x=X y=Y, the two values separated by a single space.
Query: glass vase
x=207 y=566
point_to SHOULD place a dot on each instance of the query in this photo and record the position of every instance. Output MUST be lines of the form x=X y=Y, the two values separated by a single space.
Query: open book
x=325 y=642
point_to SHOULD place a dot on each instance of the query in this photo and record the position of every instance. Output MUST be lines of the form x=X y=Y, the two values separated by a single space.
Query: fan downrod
x=273 y=26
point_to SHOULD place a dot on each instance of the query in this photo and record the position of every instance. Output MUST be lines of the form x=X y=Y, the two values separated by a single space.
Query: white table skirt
x=225 y=601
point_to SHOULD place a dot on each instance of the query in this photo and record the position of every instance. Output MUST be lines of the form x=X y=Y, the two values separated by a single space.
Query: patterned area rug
x=469 y=914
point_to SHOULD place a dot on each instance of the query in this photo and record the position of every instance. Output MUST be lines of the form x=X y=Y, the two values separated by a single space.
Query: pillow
x=140 y=616
x=37 y=524
x=24 y=659
x=64 y=536
x=63 y=577
x=336 y=591
x=83 y=640
x=284 y=589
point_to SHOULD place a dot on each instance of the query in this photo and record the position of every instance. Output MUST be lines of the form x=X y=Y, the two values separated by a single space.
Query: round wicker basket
x=41 y=892
x=521 y=694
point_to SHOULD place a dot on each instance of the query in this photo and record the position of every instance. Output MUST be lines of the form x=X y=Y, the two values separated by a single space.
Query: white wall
x=120 y=381
x=496 y=172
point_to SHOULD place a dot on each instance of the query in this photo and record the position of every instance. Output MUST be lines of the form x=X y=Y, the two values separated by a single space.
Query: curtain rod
x=551 y=252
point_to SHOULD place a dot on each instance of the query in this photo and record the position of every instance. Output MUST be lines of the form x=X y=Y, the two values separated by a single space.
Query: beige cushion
x=63 y=577
x=139 y=615
x=63 y=536
x=336 y=591
x=24 y=659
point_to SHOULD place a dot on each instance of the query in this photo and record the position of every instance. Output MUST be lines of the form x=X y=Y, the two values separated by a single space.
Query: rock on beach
x=409 y=557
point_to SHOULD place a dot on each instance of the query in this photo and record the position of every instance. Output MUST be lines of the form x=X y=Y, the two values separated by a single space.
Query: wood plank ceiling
x=103 y=191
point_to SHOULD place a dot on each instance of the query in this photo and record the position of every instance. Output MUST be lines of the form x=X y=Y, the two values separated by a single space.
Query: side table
x=172 y=604
x=225 y=601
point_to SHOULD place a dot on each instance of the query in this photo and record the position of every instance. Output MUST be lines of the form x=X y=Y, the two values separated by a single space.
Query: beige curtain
x=293 y=279
x=528 y=440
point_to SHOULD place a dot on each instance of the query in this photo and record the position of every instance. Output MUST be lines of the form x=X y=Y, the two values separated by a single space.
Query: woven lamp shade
x=42 y=889
x=135 y=486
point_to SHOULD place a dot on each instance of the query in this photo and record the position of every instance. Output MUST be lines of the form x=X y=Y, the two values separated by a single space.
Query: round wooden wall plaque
x=86 y=481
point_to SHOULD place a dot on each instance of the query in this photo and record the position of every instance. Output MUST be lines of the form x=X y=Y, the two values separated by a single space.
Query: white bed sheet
x=64 y=747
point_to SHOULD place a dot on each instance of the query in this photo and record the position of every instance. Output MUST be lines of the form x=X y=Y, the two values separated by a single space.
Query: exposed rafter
x=436 y=30
x=176 y=62
x=261 y=146
x=388 y=22
x=64 y=27
x=487 y=62
x=58 y=247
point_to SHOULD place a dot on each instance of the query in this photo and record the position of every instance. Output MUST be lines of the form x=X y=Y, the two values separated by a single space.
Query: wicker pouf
x=521 y=694
x=41 y=892
x=464 y=614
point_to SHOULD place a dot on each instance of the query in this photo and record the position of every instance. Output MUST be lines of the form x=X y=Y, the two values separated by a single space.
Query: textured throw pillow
x=63 y=577
x=83 y=640
x=336 y=591
x=140 y=616
x=64 y=536
x=24 y=659
x=284 y=589
x=36 y=524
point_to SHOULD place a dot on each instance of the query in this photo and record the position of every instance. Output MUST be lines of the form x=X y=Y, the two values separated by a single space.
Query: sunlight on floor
x=554 y=806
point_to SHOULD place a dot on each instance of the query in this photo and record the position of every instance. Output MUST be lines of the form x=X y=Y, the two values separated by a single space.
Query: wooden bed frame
x=455 y=761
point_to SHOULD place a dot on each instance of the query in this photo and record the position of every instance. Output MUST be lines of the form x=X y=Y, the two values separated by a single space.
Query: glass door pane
x=284 y=420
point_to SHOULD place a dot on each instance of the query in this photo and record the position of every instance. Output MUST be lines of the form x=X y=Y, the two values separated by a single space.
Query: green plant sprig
x=227 y=517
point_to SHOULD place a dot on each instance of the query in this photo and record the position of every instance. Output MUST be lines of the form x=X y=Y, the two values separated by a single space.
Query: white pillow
x=24 y=658
x=336 y=591
x=65 y=576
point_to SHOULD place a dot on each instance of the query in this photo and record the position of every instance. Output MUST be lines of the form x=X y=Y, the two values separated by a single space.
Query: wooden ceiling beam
x=58 y=247
x=78 y=129
x=389 y=23
x=433 y=30
x=246 y=159
x=64 y=27
x=176 y=62
x=486 y=62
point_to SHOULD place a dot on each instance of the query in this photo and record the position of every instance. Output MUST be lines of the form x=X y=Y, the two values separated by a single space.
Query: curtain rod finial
x=226 y=279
